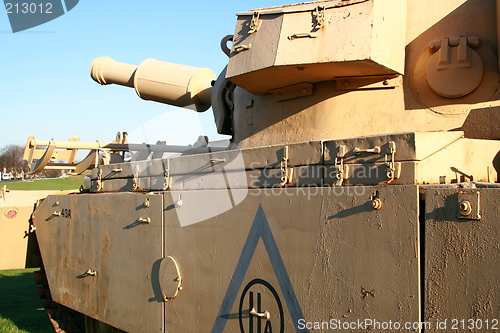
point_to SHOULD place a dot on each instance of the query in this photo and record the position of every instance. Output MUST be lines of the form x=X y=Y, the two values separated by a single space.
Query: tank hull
x=308 y=256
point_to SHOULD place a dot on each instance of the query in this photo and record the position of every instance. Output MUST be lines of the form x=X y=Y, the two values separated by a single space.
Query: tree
x=11 y=158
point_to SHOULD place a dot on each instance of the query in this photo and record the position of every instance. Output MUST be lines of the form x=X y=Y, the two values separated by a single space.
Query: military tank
x=358 y=193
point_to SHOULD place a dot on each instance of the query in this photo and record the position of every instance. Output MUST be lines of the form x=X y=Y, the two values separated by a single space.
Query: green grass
x=68 y=183
x=20 y=308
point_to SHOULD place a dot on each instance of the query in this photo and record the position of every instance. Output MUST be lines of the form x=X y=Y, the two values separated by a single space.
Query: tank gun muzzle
x=159 y=81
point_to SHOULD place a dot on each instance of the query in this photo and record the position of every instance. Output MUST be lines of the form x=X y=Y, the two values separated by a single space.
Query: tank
x=359 y=190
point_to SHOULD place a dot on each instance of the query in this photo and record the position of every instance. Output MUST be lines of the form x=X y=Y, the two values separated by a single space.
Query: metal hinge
x=286 y=173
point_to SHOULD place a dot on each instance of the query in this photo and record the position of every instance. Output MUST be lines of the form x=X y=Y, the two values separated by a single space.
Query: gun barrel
x=159 y=81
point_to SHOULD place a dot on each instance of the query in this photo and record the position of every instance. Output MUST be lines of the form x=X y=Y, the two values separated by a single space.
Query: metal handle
x=216 y=160
x=374 y=150
x=303 y=35
x=266 y=314
x=223 y=44
x=178 y=279
x=241 y=48
x=118 y=170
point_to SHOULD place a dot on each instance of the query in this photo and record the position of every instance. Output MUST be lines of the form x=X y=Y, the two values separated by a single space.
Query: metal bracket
x=295 y=91
x=469 y=205
x=286 y=173
x=390 y=165
x=370 y=82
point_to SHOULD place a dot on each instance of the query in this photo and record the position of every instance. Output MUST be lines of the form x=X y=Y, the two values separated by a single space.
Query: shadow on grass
x=20 y=307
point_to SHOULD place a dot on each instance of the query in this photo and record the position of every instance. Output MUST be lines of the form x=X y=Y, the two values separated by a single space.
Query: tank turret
x=335 y=69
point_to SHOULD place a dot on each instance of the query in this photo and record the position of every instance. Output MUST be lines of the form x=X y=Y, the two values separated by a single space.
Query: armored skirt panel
x=280 y=261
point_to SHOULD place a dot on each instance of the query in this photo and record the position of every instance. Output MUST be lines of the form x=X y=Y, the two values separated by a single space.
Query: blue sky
x=46 y=89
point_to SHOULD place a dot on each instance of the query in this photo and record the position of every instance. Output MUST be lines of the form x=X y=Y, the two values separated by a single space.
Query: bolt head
x=465 y=207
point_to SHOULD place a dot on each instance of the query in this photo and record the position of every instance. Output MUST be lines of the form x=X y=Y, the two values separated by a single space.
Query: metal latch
x=166 y=176
x=286 y=173
x=255 y=23
x=469 y=205
x=99 y=180
x=135 y=179
x=390 y=165
x=340 y=169
x=320 y=17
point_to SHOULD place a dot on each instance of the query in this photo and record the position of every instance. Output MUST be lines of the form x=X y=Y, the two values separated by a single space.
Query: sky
x=47 y=91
